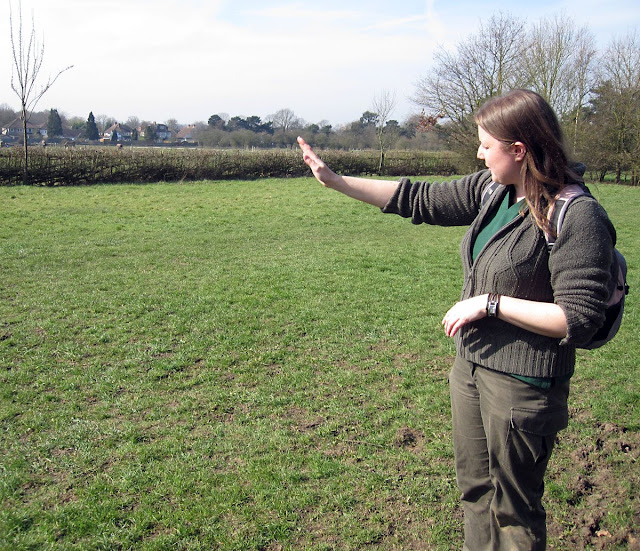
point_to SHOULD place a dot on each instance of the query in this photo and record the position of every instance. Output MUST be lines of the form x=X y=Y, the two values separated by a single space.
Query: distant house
x=161 y=131
x=12 y=132
x=187 y=134
x=14 y=129
x=123 y=133
x=68 y=134
x=71 y=134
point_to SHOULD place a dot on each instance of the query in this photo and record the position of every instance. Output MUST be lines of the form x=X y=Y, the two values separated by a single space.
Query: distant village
x=118 y=133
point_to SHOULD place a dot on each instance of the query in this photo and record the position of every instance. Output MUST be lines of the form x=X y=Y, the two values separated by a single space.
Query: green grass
x=259 y=365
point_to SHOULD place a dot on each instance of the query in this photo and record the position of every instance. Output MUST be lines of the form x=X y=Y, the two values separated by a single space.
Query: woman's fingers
x=309 y=155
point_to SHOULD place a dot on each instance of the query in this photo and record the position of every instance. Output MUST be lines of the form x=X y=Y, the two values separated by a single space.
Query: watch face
x=492 y=307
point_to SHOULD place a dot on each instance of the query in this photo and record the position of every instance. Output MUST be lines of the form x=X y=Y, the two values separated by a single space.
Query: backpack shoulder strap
x=488 y=192
x=559 y=209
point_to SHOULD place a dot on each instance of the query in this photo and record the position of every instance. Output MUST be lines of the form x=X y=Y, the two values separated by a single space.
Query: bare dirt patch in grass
x=596 y=494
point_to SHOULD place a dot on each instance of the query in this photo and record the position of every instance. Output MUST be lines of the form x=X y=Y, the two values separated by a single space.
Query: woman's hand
x=372 y=191
x=464 y=312
x=320 y=170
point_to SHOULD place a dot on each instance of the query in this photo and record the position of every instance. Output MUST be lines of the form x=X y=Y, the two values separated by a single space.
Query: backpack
x=618 y=288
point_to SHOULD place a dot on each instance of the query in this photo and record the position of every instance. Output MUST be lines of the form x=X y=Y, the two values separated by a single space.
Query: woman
x=522 y=313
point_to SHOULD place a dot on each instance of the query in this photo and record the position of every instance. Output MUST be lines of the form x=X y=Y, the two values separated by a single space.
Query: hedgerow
x=57 y=166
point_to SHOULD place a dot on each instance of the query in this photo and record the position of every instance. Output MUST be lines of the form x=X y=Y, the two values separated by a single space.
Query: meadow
x=260 y=365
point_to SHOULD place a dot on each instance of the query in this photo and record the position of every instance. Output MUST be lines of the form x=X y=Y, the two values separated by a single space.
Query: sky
x=326 y=60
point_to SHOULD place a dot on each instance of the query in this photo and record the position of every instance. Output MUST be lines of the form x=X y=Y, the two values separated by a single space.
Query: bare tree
x=620 y=63
x=173 y=125
x=7 y=114
x=285 y=119
x=484 y=65
x=105 y=121
x=559 y=62
x=585 y=79
x=28 y=56
x=615 y=113
x=383 y=106
x=132 y=122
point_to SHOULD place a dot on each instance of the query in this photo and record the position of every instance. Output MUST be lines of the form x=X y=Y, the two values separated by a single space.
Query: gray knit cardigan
x=515 y=262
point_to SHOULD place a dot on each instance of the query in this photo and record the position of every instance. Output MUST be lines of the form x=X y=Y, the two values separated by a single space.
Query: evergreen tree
x=91 y=131
x=369 y=118
x=54 y=124
x=216 y=121
x=150 y=134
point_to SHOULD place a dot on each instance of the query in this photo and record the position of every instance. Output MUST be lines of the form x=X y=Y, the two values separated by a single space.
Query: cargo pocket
x=532 y=432
x=540 y=422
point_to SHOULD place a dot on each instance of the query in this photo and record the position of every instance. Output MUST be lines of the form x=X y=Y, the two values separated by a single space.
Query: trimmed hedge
x=55 y=166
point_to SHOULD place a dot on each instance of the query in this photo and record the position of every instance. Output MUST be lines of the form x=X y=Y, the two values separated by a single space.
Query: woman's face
x=503 y=160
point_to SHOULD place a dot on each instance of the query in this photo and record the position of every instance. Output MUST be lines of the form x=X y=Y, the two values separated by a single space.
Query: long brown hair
x=524 y=116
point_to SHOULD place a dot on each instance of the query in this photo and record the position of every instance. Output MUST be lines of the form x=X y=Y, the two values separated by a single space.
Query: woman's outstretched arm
x=374 y=192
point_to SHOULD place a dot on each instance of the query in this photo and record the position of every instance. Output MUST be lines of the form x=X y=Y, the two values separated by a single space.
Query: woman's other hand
x=464 y=312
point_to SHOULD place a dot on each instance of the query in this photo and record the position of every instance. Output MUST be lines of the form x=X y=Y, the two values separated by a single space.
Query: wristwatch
x=493 y=304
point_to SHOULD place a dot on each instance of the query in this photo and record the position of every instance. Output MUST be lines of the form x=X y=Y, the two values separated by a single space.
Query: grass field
x=260 y=365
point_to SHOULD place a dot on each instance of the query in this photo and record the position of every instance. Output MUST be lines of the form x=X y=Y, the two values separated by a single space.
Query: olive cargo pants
x=503 y=433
